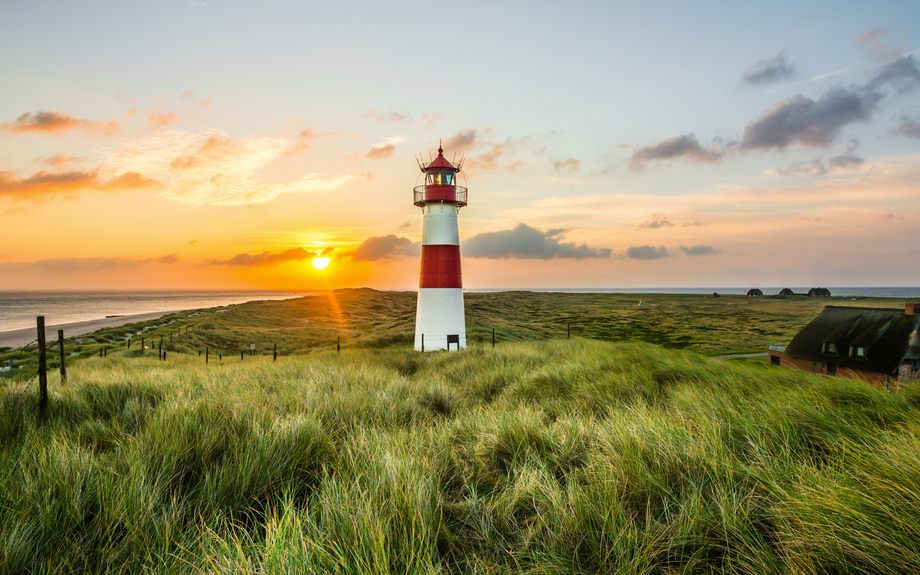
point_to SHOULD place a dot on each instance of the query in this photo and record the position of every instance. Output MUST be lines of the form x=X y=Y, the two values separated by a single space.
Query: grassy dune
x=535 y=457
x=365 y=318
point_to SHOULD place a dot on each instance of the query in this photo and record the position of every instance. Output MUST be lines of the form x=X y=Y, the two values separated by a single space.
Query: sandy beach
x=20 y=337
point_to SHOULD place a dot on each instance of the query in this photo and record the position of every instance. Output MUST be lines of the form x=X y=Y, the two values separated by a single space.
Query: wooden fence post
x=493 y=337
x=242 y=354
x=568 y=334
x=142 y=345
x=206 y=351
x=338 y=344
x=275 y=353
x=423 y=342
x=61 y=351
x=42 y=366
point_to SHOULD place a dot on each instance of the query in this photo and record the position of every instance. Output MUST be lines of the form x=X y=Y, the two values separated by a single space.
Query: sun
x=320 y=263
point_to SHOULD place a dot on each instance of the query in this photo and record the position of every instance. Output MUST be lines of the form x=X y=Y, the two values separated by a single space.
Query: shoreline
x=20 y=337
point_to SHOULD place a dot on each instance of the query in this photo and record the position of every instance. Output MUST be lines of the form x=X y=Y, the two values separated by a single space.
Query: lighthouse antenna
x=460 y=165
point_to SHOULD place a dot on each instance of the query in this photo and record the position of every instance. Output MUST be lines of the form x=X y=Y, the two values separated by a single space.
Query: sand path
x=20 y=337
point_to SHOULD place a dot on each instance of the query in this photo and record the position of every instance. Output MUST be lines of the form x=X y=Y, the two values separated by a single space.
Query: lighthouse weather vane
x=439 y=321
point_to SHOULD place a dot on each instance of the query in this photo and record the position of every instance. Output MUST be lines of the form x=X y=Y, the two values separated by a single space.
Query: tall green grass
x=554 y=457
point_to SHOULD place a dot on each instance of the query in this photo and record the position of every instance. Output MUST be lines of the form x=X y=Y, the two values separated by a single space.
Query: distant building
x=878 y=345
x=786 y=291
x=754 y=292
x=819 y=292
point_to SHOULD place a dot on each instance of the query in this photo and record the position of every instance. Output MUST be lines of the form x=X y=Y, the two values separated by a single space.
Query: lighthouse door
x=453 y=339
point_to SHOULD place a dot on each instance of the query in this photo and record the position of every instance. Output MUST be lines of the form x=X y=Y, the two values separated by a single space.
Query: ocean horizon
x=18 y=309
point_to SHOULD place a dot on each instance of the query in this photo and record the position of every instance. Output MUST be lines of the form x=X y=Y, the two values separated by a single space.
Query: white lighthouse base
x=439 y=315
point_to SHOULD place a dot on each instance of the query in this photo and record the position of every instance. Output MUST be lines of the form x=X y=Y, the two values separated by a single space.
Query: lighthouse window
x=440 y=178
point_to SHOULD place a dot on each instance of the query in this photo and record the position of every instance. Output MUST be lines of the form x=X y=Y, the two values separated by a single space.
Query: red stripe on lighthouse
x=440 y=267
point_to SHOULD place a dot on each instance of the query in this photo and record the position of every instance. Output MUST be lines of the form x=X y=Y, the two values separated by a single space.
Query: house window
x=822 y=365
x=832 y=369
x=814 y=363
x=858 y=352
x=830 y=348
x=774 y=360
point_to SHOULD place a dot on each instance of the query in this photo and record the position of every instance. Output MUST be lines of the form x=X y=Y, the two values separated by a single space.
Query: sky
x=176 y=144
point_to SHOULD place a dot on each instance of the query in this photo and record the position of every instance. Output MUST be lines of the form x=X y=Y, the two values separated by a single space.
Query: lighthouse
x=439 y=318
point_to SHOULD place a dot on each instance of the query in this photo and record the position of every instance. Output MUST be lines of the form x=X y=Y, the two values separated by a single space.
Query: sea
x=18 y=309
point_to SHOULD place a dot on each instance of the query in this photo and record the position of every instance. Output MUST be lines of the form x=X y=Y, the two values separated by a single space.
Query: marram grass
x=554 y=457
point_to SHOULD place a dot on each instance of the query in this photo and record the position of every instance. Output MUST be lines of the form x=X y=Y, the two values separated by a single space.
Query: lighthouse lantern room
x=439 y=321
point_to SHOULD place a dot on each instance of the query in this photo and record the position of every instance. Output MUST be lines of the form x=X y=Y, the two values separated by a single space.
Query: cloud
x=526 y=243
x=213 y=169
x=389 y=247
x=53 y=183
x=295 y=149
x=801 y=120
x=817 y=166
x=405 y=225
x=59 y=159
x=162 y=120
x=266 y=258
x=55 y=123
x=691 y=224
x=381 y=152
x=462 y=141
x=213 y=150
x=657 y=221
x=489 y=160
x=432 y=119
x=309 y=134
x=193 y=243
x=82 y=265
x=768 y=71
x=390 y=116
x=685 y=146
x=699 y=250
x=909 y=128
x=569 y=165
x=646 y=252
x=876 y=51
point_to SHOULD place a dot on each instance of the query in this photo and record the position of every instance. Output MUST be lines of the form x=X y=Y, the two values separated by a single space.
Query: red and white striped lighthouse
x=439 y=319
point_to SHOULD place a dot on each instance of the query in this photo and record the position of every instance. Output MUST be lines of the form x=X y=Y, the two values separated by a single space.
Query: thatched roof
x=889 y=336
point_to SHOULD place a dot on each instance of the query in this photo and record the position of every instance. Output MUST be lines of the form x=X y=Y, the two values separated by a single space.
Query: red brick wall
x=871 y=377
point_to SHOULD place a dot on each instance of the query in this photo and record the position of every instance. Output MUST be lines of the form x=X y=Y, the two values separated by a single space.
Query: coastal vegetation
x=365 y=318
x=540 y=455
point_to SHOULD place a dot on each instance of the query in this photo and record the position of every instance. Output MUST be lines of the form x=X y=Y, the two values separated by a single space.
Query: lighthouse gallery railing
x=418 y=195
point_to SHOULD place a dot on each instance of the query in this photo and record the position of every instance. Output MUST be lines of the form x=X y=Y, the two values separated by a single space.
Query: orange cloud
x=268 y=258
x=381 y=152
x=295 y=149
x=51 y=183
x=161 y=120
x=54 y=123
x=309 y=134
x=213 y=150
x=59 y=159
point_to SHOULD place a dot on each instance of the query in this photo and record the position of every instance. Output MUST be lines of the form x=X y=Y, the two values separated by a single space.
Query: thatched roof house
x=786 y=291
x=879 y=345
x=754 y=292
x=819 y=292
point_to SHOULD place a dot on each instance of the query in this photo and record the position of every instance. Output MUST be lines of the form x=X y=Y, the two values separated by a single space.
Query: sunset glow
x=219 y=145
